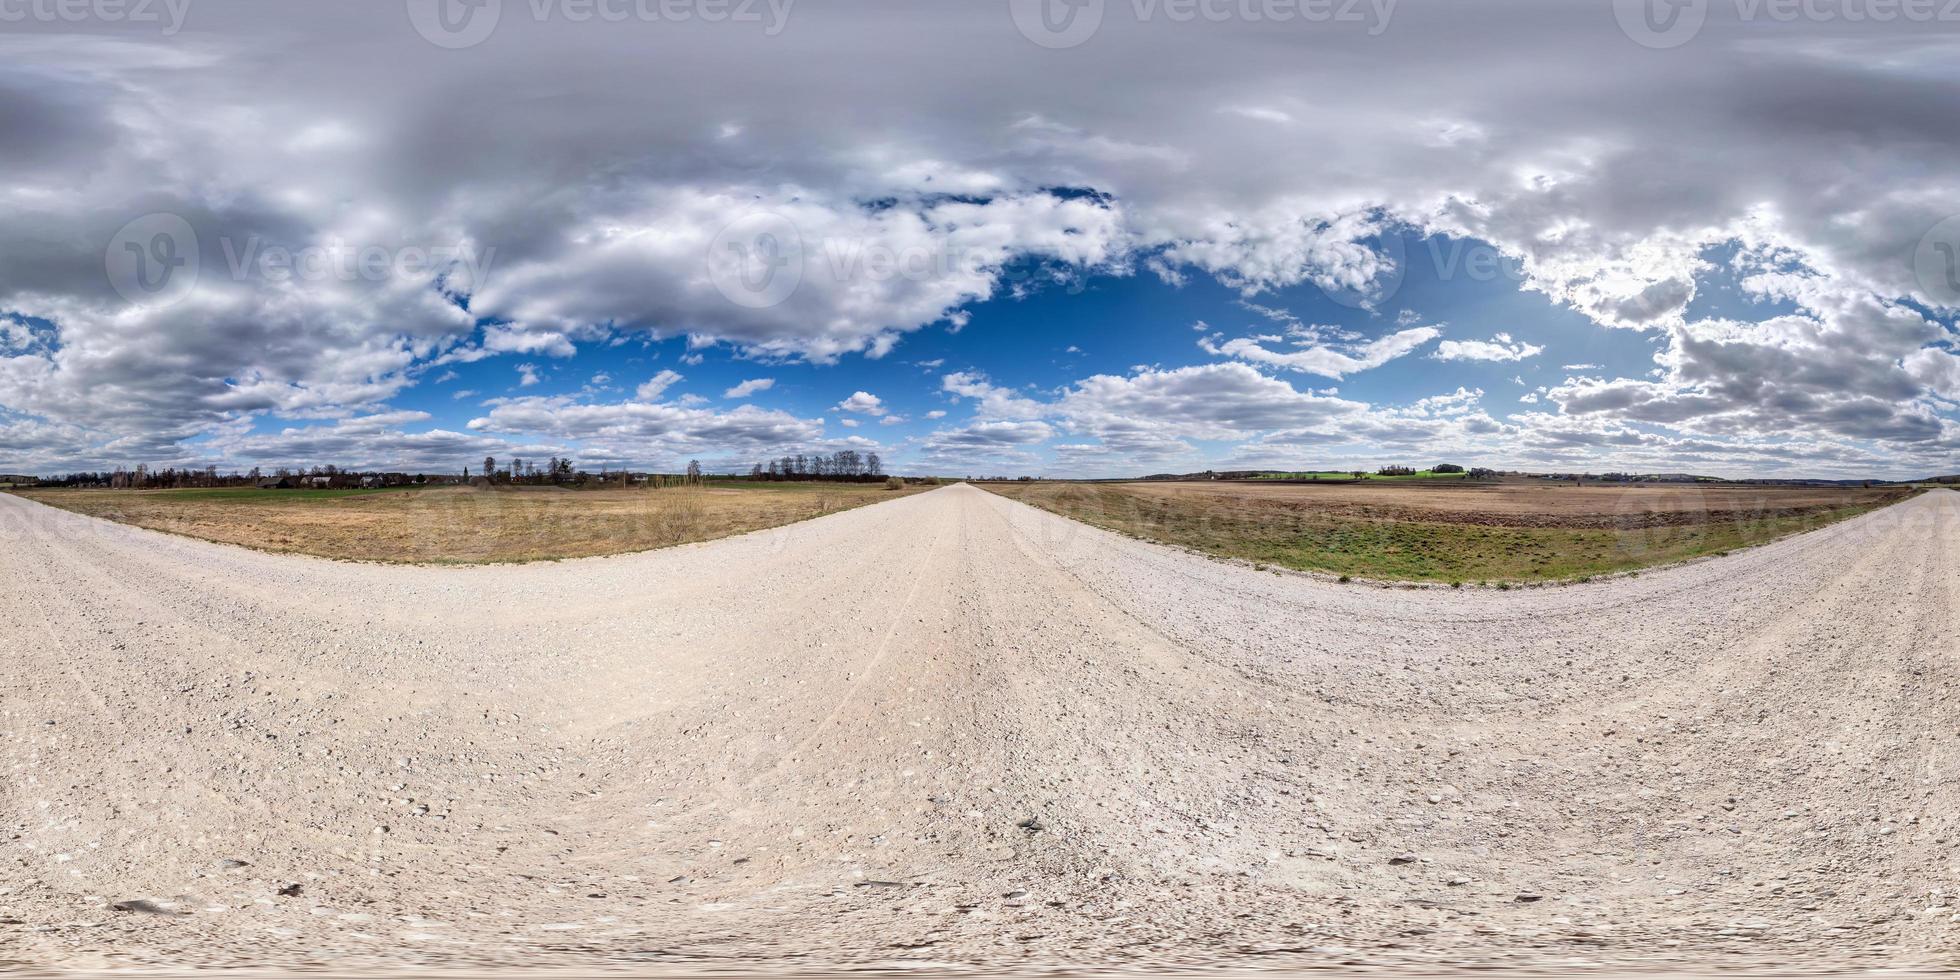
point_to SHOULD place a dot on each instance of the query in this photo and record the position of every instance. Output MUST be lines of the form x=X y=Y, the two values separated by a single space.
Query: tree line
x=847 y=465
x=556 y=470
x=142 y=477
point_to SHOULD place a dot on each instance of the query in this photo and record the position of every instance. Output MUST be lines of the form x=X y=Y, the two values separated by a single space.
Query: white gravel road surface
x=954 y=730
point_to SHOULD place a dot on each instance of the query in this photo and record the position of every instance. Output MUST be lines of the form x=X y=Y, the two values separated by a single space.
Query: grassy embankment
x=1508 y=534
x=469 y=526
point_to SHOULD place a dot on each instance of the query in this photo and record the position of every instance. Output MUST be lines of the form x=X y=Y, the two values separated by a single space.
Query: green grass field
x=1395 y=539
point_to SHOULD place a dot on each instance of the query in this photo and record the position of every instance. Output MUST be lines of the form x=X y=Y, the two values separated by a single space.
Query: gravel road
x=954 y=730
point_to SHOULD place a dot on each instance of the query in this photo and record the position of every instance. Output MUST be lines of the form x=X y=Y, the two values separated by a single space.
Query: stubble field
x=468 y=525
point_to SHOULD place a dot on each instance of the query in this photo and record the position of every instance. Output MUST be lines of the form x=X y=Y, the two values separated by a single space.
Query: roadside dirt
x=952 y=731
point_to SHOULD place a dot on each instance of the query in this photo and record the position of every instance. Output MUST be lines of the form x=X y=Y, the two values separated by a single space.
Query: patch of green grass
x=1408 y=550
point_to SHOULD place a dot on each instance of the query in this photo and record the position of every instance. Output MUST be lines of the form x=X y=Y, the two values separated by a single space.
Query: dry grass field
x=465 y=525
x=1499 y=533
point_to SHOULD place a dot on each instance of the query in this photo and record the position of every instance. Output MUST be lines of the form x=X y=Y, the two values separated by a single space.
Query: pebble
x=143 y=905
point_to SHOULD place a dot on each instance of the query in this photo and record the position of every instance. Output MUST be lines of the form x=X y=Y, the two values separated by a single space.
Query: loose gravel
x=953 y=731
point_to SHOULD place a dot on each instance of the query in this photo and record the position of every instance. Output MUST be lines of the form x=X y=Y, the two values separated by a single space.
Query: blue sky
x=1041 y=339
x=1530 y=236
